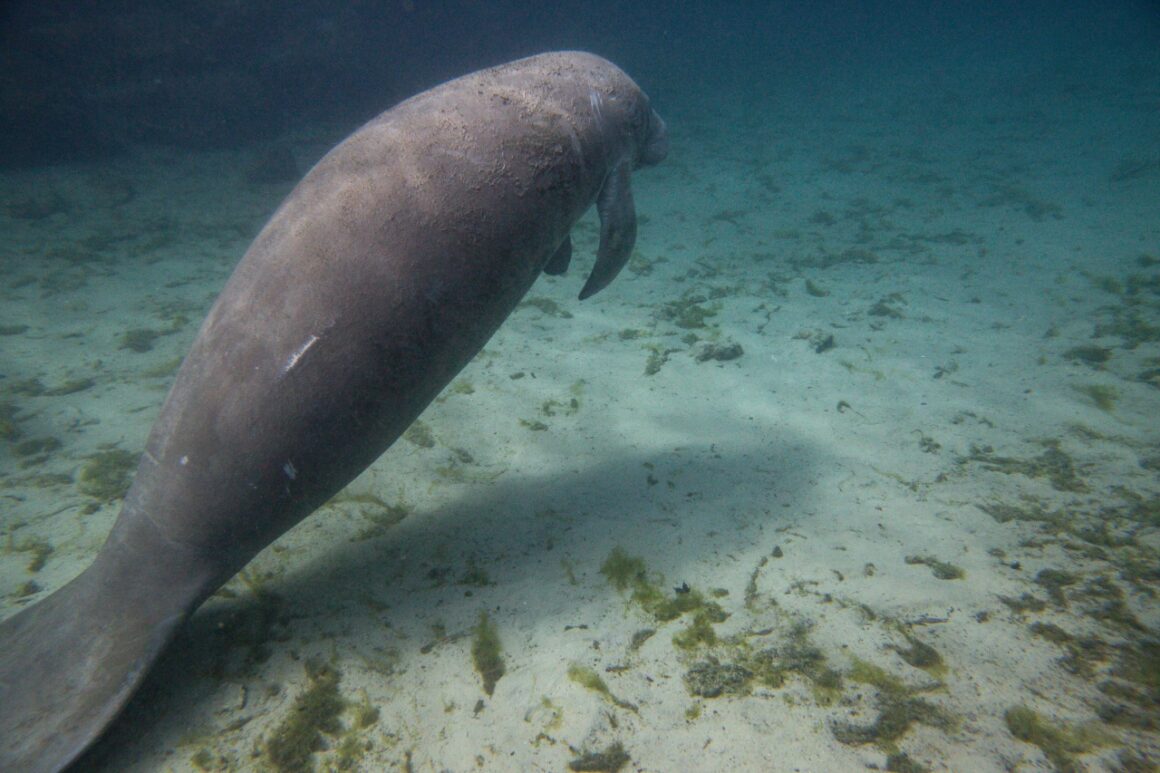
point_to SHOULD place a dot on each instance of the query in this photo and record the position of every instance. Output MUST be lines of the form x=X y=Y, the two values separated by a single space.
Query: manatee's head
x=615 y=131
x=631 y=126
x=636 y=137
x=653 y=142
x=618 y=118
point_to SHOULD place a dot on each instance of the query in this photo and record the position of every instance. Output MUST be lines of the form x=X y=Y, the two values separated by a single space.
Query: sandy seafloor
x=980 y=268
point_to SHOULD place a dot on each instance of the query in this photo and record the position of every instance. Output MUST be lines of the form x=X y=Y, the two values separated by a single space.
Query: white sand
x=988 y=231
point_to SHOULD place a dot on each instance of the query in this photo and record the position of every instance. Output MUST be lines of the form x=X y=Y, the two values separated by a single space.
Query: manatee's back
x=385 y=271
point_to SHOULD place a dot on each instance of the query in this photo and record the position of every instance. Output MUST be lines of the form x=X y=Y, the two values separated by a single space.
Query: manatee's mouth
x=656 y=143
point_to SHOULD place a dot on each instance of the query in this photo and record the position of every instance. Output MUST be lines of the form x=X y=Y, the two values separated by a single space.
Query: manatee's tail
x=70 y=663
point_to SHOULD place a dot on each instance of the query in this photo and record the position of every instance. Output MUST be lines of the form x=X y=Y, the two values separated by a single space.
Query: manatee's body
x=382 y=274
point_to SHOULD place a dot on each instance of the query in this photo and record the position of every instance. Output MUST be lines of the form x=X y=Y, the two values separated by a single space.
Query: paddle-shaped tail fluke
x=69 y=664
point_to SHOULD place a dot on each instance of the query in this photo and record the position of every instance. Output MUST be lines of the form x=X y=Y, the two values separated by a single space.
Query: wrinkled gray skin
x=376 y=281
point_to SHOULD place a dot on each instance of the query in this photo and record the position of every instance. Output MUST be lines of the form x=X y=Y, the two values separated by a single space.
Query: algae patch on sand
x=314 y=725
x=315 y=712
x=608 y=760
x=1059 y=743
x=486 y=653
x=107 y=474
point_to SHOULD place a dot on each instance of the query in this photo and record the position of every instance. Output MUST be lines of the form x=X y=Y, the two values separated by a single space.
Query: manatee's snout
x=656 y=142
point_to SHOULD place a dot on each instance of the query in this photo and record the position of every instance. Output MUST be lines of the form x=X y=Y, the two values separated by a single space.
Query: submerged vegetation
x=940 y=569
x=1059 y=743
x=107 y=474
x=590 y=680
x=314 y=713
x=487 y=653
x=898 y=707
x=607 y=760
x=1054 y=464
x=314 y=724
x=1104 y=396
x=629 y=573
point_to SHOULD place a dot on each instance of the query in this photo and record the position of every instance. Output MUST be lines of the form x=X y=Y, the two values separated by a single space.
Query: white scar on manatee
x=296 y=355
x=596 y=100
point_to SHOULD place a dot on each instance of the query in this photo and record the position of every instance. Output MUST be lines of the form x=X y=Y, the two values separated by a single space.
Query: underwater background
x=857 y=464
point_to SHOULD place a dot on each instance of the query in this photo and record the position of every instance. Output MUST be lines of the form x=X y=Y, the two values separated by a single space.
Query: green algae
x=34 y=452
x=1051 y=632
x=487 y=653
x=1054 y=581
x=9 y=428
x=139 y=340
x=689 y=313
x=699 y=633
x=1103 y=396
x=587 y=678
x=1060 y=743
x=887 y=307
x=202 y=759
x=1094 y=356
x=1024 y=603
x=1054 y=464
x=900 y=762
x=739 y=667
x=590 y=680
x=554 y=407
x=420 y=434
x=797 y=656
x=546 y=306
x=461 y=387
x=816 y=290
x=608 y=760
x=315 y=713
x=625 y=572
x=70 y=387
x=163 y=369
x=940 y=569
x=107 y=474
x=1131 y=324
x=657 y=358
x=39 y=549
x=921 y=655
x=711 y=679
x=898 y=709
x=28 y=387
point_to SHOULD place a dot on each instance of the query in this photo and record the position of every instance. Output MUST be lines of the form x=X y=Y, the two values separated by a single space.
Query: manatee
x=385 y=270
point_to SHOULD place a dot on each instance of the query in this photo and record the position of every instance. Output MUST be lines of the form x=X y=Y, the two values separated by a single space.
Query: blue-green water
x=880 y=382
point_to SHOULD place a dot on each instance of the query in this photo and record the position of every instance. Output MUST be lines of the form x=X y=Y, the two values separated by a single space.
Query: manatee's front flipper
x=617 y=228
x=558 y=263
x=70 y=663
